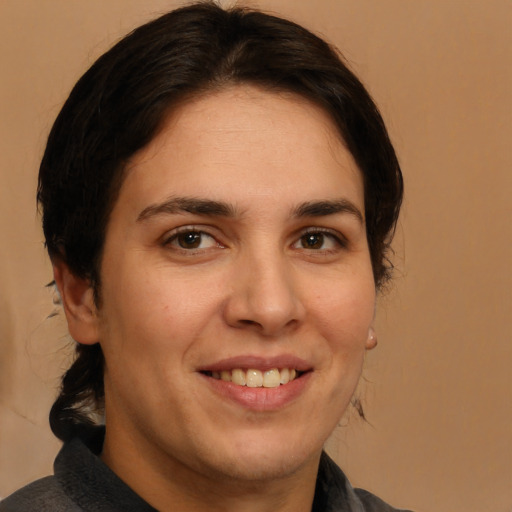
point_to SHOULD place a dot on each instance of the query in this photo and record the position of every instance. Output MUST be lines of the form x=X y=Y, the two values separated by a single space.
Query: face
x=236 y=253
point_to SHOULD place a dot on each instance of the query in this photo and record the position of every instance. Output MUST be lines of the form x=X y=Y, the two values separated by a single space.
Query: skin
x=251 y=287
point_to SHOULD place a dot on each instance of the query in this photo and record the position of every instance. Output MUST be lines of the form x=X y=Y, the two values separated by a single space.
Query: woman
x=218 y=193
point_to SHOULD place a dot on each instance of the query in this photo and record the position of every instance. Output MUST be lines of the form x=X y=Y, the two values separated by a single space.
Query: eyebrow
x=324 y=208
x=189 y=205
x=213 y=208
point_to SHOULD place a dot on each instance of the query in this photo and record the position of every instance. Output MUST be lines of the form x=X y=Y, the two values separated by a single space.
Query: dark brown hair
x=118 y=105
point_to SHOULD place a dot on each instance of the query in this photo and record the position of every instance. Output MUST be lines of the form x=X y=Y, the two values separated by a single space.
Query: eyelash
x=336 y=237
x=174 y=237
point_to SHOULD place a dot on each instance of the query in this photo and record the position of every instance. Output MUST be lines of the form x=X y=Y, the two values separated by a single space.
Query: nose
x=264 y=297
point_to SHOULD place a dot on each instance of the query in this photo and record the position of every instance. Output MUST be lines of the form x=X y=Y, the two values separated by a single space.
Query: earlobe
x=78 y=301
x=371 y=342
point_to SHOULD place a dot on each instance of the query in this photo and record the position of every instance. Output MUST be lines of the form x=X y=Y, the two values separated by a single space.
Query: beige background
x=438 y=389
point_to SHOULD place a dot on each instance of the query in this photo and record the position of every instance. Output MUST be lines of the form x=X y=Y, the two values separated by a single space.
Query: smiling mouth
x=254 y=378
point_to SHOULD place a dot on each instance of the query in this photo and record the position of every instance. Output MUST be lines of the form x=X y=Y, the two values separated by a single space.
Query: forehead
x=247 y=142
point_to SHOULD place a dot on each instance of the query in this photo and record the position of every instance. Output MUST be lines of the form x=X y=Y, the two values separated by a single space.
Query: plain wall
x=438 y=388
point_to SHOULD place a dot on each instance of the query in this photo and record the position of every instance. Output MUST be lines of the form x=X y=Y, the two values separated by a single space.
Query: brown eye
x=192 y=240
x=312 y=241
x=319 y=241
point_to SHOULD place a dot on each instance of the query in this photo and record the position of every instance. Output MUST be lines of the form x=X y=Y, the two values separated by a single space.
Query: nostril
x=265 y=308
x=249 y=322
x=266 y=327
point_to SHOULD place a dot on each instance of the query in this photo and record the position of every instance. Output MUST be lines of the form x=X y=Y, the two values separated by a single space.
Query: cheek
x=155 y=309
x=345 y=310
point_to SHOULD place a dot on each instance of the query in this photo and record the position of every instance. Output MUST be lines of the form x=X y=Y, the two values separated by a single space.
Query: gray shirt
x=82 y=482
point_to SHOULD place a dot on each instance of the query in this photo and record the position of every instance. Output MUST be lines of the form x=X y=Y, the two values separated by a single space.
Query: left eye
x=317 y=240
x=192 y=240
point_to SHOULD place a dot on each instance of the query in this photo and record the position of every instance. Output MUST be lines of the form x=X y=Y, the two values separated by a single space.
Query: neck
x=166 y=483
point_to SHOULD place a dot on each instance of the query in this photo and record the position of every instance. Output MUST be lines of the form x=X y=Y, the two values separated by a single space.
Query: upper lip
x=258 y=363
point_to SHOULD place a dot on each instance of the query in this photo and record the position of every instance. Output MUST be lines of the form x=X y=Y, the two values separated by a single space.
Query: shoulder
x=45 y=495
x=372 y=503
x=334 y=492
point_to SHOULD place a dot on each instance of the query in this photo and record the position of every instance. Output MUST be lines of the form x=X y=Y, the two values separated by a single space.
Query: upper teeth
x=256 y=378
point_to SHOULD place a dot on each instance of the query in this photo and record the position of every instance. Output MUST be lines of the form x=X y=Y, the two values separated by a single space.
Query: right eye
x=191 y=239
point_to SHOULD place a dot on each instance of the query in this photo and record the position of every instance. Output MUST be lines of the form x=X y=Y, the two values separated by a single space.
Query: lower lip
x=260 y=399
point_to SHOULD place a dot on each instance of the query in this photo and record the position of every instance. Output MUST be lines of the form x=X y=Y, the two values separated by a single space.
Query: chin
x=263 y=468
x=262 y=459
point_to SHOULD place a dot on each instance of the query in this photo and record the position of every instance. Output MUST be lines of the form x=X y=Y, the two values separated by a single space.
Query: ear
x=371 y=341
x=78 y=301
